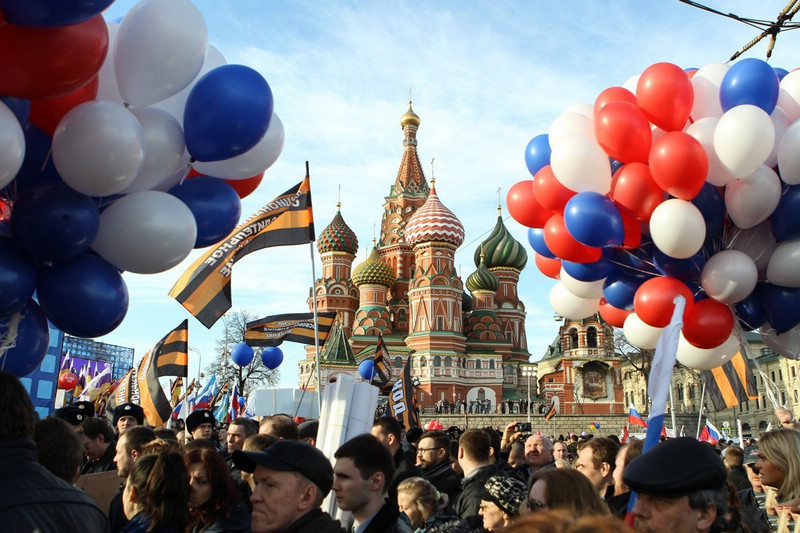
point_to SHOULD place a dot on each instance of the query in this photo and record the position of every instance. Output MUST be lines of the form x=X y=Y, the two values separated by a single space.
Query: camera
x=524 y=426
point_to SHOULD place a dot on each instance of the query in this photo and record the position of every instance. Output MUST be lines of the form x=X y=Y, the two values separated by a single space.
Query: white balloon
x=706 y=83
x=582 y=289
x=570 y=124
x=98 y=148
x=786 y=343
x=175 y=104
x=706 y=358
x=640 y=334
x=12 y=145
x=784 y=265
x=781 y=122
x=106 y=78
x=582 y=108
x=259 y=158
x=580 y=164
x=703 y=131
x=757 y=242
x=146 y=232
x=631 y=83
x=729 y=276
x=568 y=305
x=677 y=228
x=160 y=48
x=789 y=95
x=743 y=139
x=789 y=155
x=751 y=201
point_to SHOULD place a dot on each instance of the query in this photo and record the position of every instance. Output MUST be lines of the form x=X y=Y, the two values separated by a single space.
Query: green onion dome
x=337 y=237
x=373 y=271
x=501 y=249
x=482 y=279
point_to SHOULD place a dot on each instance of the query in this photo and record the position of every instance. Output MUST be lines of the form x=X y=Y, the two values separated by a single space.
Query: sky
x=485 y=78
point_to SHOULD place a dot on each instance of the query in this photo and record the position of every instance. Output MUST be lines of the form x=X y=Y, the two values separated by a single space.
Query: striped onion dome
x=501 y=249
x=337 y=237
x=482 y=279
x=373 y=271
x=433 y=222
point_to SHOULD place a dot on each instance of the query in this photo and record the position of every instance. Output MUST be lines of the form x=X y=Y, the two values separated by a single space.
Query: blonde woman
x=425 y=507
x=779 y=467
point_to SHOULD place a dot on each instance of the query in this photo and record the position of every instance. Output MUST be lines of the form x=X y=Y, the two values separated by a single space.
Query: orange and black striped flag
x=293 y=327
x=402 y=402
x=730 y=384
x=169 y=357
x=205 y=288
x=122 y=390
x=382 y=365
x=552 y=412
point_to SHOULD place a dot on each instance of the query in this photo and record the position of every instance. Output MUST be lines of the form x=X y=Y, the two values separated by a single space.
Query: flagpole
x=672 y=411
x=700 y=416
x=316 y=318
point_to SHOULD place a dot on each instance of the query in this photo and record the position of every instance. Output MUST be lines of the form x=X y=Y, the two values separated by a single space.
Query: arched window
x=481 y=395
x=448 y=361
x=398 y=362
x=437 y=361
x=423 y=361
x=491 y=364
x=762 y=426
x=573 y=339
x=591 y=337
x=477 y=364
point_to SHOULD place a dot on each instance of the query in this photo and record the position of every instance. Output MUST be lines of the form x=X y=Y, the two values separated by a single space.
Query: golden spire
x=409 y=118
x=499 y=206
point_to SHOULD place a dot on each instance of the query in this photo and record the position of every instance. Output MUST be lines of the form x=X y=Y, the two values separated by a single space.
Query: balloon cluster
x=101 y=124
x=678 y=183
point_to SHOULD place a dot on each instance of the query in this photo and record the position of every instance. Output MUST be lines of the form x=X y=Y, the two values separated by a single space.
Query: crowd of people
x=268 y=476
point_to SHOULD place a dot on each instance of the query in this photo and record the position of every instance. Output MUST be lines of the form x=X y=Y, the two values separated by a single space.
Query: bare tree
x=247 y=378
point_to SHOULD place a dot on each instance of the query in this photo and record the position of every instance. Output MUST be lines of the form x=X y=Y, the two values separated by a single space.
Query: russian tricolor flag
x=710 y=434
x=635 y=419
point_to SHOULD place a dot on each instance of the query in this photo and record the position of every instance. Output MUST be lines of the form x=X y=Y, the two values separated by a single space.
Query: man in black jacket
x=387 y=430
x=100 y=448
x=475 y=459
x=433 y=458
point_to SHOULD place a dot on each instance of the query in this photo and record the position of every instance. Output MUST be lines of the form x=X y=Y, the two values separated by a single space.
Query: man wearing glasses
x=433 y=458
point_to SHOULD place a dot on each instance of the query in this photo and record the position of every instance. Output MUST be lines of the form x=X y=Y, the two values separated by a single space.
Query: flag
x=234 y=410
x=220 y=394
x=99 y=384
x=732 y=383
x=125 y=391
x=176 y=391
x=625 y=435
x=203 y=400
x=710 y=433
x=293 y=327
x=66 y=365
x=223 y=406
x=205 y=288
x=551 y=412
x=250 y=408
x=401 y=400
x=382 y=366
x=634 y=418
x=169 y=357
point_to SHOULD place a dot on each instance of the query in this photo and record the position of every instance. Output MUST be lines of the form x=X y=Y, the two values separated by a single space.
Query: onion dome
x=433 y=222
x=466 y=302
x=501 y=249
x=409 y=118
x=373 y=271
x=482 y=279
x=337 y=237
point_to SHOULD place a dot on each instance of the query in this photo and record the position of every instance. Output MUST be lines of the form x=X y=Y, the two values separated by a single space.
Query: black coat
x=738 y=477
x=444 y=478
x=403 y=469
x=468 y=500
x=387 y=520
x=104 y=464
x=315 y=521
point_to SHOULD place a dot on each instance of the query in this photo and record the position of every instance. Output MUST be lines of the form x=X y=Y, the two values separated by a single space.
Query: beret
x=308 y=429
x=290 y=456
x=128 y=409
x=506 y=492
x=676 y=467
x=201 y=416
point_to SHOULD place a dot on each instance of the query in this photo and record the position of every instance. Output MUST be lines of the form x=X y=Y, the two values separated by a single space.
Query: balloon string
x=10 y=338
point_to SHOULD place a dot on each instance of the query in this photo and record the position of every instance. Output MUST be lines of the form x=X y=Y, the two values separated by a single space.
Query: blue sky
x=485 y=78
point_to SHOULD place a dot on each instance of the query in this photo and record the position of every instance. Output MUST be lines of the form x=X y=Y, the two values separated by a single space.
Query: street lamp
x=529 y=371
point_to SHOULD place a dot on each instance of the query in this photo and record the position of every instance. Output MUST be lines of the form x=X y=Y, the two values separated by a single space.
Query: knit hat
x=507 y=493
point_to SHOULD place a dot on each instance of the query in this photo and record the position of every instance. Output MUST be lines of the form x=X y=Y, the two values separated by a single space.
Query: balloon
x=593 y=220
x=549 y=192
x=786 y=217
x=781 y=72
x=582 y=108
x=612 y=94
x=50 y=62
x=19 y=106
x=711 y=205
x=664 y=92
x=619 y=290
x=729 y=276
x=750 y=81
x=783 y=265
x=781 y=123
x=743 y=139
x=568 y=305
x=637 y=262
x=549 y=267
x=682 y=269
x=523 y=207
x=634 y=189
x=54 y=223
x=246 y=186
x=580 y=164
x=46 y=14
x=564 y=245
x=757 y=242
x=568 y=125
x=12 y=145
x=789 y=155
x=583 y=289
x=750 y=311
x=789 y=95
x=160 y=49
x=242 y=354
x=67 y=381
x=780 y=306
x=215 y=205
x=537 y=153
x=366 y=369
x=537 y=242
x=623 y=131
x=751 y=201
x=678 y=164
x=678 y=228
x=175 y=104
x=639 y=333
x=46 y=113
x=85 y=296
x=613 y=315
x=37 y=168
x=707 y=324
x=17 y=277
x=654 y=300
x=227 y=113
x=705 y=85
x=632 y=228
x=106 y=77
x=272 y=357
x=98 y=148
x=786 y=343
x=706 y=358
x=703 y=131
x=24 y=338
x=597 y=270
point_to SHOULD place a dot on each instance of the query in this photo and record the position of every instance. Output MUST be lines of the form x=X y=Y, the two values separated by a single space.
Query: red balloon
x=549 y=192
x=633 y=230
x=46 y=113
x=523 y=206
x=665 y=94
x=50 y=62
x=564 y=245
x=654 y=304
x=613 y=315
x=679 y=164
x=549 y=267
x=623 y=131
x=613 y=94
x=67 y=381
x=246 y=186
x=708 y=324
x=634 y=188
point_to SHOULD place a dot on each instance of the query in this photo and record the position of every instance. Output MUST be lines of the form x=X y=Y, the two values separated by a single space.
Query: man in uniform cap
x=291 y=480
x=681 y=487
x=200 y=424
x=71 y=414
x=127 y=415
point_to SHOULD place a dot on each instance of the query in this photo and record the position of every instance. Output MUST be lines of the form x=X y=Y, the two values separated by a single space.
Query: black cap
x=86 y=407
x=290 y=456
x=71 y=414
x=676 y=467
x=750 y=456
x=128 y=409
x=308 y=429
x=201 y=416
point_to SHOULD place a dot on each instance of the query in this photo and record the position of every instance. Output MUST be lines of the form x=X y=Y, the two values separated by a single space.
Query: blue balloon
x=20 y=107
x=227 y=112
x=637 y=263
x=54 y=222
x=366 y=369
x=537 y=153
x=17 y=277
x=750 y=81
x=536 y=240
x=242 y=354
x=780 y=72
x=46 y=13
x=272 y=357
x=31 y=337
x=593 y=220
x=750 y=311
x=682 y=269
x=785 y=219
x=85 y=296
x=602 y=268
x=781 y=306
x=37 y=167
x=215 y=205
x=712 y=206
x=619 y=290
x=615 y=165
